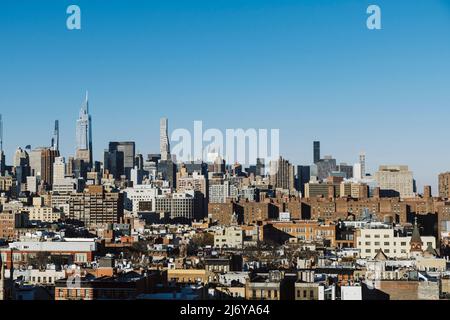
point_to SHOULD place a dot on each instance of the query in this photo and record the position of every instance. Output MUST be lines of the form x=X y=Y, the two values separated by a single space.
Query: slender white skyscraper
x=357 y=171
x=84 y=133
x=362 y=162
x=164 y=139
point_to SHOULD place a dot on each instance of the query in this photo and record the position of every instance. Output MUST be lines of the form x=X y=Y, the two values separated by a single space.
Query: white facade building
x=396 y=178
x=230 y=237
x=141 y=198
x=370 y=241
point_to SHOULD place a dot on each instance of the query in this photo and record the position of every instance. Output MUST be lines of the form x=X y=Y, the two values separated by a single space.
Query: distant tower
x=2 y=154
x=316 y=151
x=84 y=133
x=164 y=139
x=1 y=133
x=362 y=162
x=55 y=138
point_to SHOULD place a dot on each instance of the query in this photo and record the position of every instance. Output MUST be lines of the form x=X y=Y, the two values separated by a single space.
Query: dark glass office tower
x=113 y=163
x=128 y=150
x=316 y=151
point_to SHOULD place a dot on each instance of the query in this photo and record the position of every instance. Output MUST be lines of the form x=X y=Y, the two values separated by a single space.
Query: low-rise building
x=229 y=237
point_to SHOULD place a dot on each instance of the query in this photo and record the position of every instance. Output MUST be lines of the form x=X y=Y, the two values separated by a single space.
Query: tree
x=203 y=240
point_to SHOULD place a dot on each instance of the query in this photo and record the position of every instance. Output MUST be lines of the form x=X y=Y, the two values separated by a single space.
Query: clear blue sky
x=310 y=68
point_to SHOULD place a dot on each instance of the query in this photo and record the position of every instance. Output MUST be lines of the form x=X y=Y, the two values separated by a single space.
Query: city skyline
x=84 y=135
x=217 y=156
x=234 y=59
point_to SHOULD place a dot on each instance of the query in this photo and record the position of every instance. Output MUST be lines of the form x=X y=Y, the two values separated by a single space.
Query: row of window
x=270 y=294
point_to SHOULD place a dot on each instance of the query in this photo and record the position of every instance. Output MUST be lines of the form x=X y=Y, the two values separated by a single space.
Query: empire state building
x=84 y=133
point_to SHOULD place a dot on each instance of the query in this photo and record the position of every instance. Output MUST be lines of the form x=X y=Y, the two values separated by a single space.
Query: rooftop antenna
x=87 y=101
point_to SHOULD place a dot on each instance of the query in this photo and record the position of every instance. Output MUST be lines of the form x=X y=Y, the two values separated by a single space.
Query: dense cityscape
x=148 y=227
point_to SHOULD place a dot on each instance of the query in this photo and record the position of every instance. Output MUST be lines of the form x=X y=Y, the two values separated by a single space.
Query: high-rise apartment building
x=362 y=162
x=95 y=206
x=164 y=139
x=282 y=174
x=84 y=134
x=395 y=179
x=444 y=185
x=221 y=193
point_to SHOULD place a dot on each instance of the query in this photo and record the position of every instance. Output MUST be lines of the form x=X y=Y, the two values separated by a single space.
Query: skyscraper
x=282 y=174
x=84 y=133
x=59 y=169
x=362 y=161
x=303 y=177
x=55 y=138
x=41 y=163
x=1 y=133
x=128 y=149
x=164 y=139
x=114 y=163
x=2 y=154
x=316 y=151
x=260 y=167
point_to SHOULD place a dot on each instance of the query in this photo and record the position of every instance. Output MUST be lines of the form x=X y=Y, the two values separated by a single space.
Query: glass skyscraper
x=84 y=131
